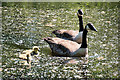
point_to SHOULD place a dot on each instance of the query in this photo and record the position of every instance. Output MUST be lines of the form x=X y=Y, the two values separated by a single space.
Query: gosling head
x=36 y=48
x=90 y=26
x=79 y=13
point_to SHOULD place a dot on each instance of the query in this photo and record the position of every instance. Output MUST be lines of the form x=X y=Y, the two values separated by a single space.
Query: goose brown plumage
x=67 y=48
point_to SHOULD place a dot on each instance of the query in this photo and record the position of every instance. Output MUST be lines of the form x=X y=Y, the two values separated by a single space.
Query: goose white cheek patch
x=87 y=27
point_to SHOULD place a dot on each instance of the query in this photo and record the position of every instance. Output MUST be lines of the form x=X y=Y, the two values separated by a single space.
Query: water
x=24 y=25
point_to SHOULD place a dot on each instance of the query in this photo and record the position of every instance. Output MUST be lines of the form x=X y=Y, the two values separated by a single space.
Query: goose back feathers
x=66 y=34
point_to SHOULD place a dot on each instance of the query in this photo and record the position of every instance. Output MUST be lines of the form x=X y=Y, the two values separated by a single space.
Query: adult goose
x=71 y=34
x=67 y=48
x=27 y=54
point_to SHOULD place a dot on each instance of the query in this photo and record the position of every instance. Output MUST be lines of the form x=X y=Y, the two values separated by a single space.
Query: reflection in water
x=28 y=23
x=25 y=63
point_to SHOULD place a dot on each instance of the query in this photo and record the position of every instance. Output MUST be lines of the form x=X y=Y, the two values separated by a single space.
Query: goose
x=27 y=54
x=71 y=34
x=67 y=48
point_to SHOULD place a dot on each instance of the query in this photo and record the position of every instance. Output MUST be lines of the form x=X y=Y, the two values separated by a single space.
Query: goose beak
x=94 y=29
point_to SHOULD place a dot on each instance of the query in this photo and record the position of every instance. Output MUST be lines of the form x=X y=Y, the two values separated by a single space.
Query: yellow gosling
x=27 y=54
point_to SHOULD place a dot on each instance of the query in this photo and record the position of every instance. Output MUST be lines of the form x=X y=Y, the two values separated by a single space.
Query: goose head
x=90 y=26
x=80 y=12
x=35 y=49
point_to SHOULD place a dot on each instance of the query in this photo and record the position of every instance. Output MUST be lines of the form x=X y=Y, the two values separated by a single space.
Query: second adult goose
x=71 y=34
x=67 y=48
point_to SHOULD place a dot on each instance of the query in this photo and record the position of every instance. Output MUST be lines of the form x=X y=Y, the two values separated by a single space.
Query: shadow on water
x=28 y=23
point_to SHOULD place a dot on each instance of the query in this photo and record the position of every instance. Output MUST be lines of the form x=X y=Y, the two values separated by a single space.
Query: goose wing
x=66 y=34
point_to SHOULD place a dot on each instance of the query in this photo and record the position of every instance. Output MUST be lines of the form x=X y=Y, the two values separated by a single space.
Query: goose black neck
x=84 y=39
x=80 y=24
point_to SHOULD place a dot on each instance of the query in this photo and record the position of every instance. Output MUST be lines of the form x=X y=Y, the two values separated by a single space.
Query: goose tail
x=49 y=40
x=56 y=32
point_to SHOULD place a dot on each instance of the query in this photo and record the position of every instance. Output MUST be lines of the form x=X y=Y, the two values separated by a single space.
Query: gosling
x=27 y=54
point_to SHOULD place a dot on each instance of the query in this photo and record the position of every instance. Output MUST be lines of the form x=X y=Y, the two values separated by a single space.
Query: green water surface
x=24 y=25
